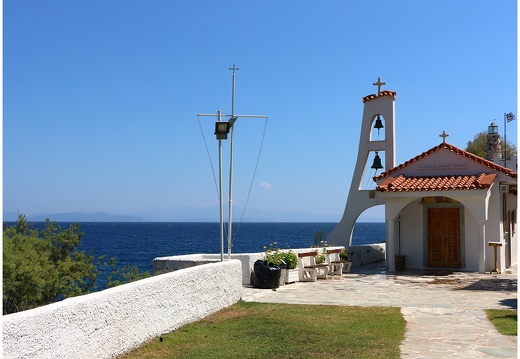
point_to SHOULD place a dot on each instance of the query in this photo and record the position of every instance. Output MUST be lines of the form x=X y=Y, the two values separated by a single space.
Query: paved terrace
x=443 y=310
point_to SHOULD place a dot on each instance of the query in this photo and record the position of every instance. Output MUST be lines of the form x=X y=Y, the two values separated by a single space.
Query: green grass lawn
x=505 y=320
x=266 y=330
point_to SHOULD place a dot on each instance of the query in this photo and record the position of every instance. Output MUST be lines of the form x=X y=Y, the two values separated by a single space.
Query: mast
x=230 y=204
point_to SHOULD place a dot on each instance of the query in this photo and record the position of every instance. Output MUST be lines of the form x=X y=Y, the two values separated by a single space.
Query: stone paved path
x=444 y=311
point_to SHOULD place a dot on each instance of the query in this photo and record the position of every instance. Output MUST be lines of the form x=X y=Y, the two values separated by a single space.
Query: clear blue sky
x=101 y=97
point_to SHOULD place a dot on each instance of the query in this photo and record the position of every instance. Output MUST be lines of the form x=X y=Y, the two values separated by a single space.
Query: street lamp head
x=221 y=130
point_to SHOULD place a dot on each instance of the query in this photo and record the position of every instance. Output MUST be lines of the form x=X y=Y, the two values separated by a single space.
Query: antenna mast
x=222 y=128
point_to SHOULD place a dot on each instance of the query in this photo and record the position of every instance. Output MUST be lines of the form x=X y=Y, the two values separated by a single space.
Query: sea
x=138 y=243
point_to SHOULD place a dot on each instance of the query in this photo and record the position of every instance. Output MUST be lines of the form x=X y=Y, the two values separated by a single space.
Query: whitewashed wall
x=111 y=322
x=173 y=263
x=360 y=255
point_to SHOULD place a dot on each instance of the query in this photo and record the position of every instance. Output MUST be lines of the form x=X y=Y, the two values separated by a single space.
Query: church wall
x=471 y=241
x=494 y=229
x=512 y=226
x=442 y=163
x=411 y=238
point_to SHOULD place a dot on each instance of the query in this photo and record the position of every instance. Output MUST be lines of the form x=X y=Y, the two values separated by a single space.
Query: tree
x=44 y=267
x=478 y=146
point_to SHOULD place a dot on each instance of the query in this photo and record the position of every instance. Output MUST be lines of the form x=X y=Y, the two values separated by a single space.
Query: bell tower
x=378 y=113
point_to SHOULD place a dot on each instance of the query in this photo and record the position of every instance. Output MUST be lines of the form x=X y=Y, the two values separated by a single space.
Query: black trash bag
x=266 y=276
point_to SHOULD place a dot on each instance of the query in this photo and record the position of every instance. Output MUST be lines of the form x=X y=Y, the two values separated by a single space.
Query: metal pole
x=505 y=141
x=230 y=224
x=230 y=231
x=219 y=116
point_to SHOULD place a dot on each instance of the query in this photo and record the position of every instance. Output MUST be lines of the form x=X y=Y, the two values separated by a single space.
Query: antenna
x=222 y=128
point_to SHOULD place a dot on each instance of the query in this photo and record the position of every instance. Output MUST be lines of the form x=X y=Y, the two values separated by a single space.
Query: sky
x=100 y=98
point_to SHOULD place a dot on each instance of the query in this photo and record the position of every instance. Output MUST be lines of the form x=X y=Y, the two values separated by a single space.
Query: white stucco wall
x=471 y=239
x=116 y=320
x=173 y=263
x=360 y=255
x=411 y=235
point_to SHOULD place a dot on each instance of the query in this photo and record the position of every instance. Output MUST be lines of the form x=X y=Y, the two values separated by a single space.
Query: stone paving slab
x=444 y=311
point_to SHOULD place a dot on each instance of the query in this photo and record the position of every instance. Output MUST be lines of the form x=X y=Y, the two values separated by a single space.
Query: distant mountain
x=75 y=217
x=190 y=214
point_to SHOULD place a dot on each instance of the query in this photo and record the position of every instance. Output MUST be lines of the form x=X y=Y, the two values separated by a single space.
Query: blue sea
x=138 y=243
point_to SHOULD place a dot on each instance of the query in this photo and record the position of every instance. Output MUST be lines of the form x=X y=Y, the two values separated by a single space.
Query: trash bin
x=266 y=276
x=400 y=262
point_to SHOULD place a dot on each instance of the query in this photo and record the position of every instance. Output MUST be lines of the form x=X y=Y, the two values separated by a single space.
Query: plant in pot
x=321 y=257
x=291 y=262
x=267 y=271
x=343 y=256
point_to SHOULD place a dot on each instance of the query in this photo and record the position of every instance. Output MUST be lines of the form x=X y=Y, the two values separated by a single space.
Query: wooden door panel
x=443 y=237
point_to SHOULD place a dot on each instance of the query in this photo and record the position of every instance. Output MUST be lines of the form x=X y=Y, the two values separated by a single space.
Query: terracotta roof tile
x=491 y=165
x=436 y=183
x=383 y=93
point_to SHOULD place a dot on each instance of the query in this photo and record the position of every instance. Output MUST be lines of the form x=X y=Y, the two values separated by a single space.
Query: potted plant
x=343 y=256
x=291 y=262
x=321 y=257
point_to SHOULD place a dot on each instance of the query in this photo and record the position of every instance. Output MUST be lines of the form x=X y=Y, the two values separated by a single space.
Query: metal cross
x=444 y=135
x=234 y=68
x=379 y=84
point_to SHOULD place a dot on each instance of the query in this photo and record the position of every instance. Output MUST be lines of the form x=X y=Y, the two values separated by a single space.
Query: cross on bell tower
x=379 y=83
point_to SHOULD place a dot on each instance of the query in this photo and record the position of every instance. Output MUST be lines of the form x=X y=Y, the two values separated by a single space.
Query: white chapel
x=444 y=208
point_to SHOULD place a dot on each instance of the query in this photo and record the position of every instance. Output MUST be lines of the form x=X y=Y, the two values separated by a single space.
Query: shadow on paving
x=511 y=303
x=495 y=284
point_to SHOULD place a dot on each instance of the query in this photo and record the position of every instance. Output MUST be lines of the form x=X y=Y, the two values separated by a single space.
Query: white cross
x=444 y=135
x=379 y=84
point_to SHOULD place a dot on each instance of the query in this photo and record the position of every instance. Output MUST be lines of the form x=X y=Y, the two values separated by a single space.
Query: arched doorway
x=443 y=234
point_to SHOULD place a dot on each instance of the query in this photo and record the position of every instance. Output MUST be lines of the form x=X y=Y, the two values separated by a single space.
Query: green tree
x=477 y=146
x=42 y=267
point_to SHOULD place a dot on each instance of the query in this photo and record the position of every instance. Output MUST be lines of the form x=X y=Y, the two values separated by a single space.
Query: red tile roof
x=436 y=183
x=383 y=93
x=491 y=165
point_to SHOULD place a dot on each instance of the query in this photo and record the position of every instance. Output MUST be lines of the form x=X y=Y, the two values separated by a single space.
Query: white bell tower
x=379 y=111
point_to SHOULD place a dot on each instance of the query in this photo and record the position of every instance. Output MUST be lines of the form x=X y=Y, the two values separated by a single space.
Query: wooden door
x=443 y=237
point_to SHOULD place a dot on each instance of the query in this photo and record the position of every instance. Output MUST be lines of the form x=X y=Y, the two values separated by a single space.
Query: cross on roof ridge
x=444 y=135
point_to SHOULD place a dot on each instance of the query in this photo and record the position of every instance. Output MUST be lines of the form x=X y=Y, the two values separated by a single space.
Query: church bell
x=377 y=162
x=378 y=124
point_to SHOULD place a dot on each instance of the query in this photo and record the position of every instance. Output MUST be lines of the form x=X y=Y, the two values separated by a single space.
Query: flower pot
x=283 y=272
x=291 y=276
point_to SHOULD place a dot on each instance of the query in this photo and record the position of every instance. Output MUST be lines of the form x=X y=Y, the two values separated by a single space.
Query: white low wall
x=173 y=263
x=367 y=253
x=111 y=322
x=358 y=255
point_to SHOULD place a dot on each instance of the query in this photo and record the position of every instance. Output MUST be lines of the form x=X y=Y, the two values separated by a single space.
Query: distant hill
x=188 y=214
x=75 y=217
